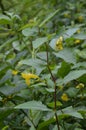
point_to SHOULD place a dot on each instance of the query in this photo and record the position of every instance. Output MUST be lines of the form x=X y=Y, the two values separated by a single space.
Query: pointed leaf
x=81 y=36
x=33 y=105
x=39 y=41
x=69 y=32
x=29 y=31
x=4 y=19
x=70 y=111
x=67 y=55
x=74 y=75
x=49 y=17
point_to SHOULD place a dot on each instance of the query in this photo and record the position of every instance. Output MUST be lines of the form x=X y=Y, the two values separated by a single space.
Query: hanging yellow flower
x=80 y=86
x=59 y=43
x=14 y=72
x=64 y=97
x=28 y=76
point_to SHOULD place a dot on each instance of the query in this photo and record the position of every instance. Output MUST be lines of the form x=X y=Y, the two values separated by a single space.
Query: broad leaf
x=81 y=36
x=33 y=105
x=48 y=18
x=67 y=55
x=18 y=46
x=81 y=54
x=8 y=90
x=55 y=128
x=38 y=64
x=68 y=33
x=4 y=19
x=53 y=44
x=29 y=31
x=70 y=111
x=42 y=125
x=79 y=65
x=6 y=77
x=52 y=104
x=73 y=75
x=64 y=69
x=39 y=41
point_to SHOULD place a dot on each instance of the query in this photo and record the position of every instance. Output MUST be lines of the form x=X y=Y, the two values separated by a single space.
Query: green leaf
x=4 y=19
x=49 y=17
x=4 y=34
x=4 y=112
x=7 y=43
x=53 y=44
x=79 y=65
x=42 y=125
x=38 y=64
x=50 y=90
x=64 y=69
x=18 y=46
x=73 y=75
x=70 y=111
x=37 y=116
x=82 y=79
x=33 y=105
x=67 y=55
x=81 y=54
x=78 y=129
x=6 y=77
x=32 y=128
x=72 y=92
x=5 y=127
x=39 y=41
x=8 y=90
x=80 y=36
x=29 y=31
x=55 y=128
x=68 y=33
x=42 y=55
x=33 y=62
x=52 y=104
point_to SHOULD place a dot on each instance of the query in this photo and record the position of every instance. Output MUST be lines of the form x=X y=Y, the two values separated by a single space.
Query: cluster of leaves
x=45 y=41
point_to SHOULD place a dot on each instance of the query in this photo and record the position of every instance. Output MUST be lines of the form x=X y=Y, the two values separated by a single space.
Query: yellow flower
x=80 y=86
x=77 y=41
x=67 y=15
x=27 y=81
x=28 y=76
x=64 y=97
x=14 y=72
x=78 y=31
x=59 y=44
x=80 y=18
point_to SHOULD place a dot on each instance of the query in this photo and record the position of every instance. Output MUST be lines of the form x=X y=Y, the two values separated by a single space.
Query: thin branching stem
x=55 y=88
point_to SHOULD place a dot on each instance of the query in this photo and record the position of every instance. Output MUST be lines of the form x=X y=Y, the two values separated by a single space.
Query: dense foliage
x=42 y=65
